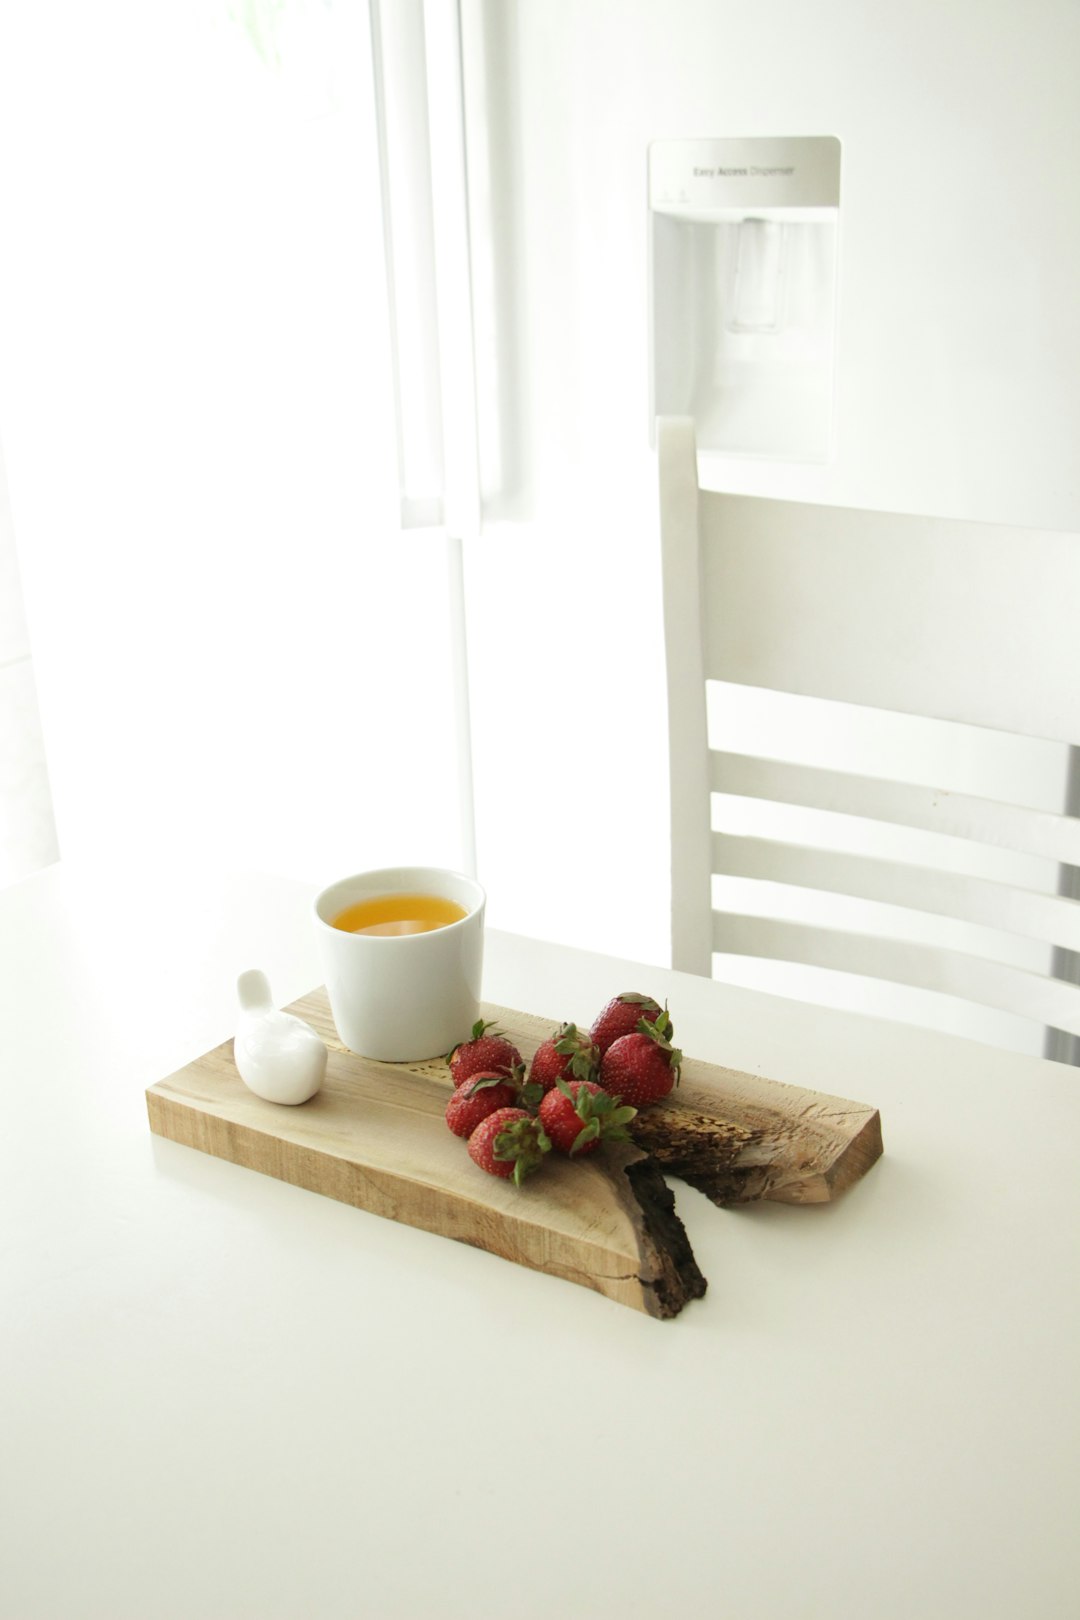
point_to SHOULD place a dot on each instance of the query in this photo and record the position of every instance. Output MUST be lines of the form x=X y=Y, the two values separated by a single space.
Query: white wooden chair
x=955 y=621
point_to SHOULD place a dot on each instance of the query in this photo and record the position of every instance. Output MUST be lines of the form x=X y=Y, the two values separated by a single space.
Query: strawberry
x=487 y=1051
x=509 y=1142
x=642 y=1067
x=620 y=1016
x=567 y=1055
x=476 y=1098
x=578 y=1114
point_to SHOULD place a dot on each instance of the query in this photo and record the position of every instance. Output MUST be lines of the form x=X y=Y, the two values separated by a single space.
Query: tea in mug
x=399 y=914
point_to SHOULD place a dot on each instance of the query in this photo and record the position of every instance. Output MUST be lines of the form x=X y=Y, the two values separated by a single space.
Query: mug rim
x=406 y=876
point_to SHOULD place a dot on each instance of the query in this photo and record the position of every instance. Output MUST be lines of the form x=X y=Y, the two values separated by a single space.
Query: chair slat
x=691 y=930
x=992 y=984
x=908 y=804
x=1045 y=917
x=917 y=615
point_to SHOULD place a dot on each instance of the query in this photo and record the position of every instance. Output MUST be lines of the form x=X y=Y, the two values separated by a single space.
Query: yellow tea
x=399 y=914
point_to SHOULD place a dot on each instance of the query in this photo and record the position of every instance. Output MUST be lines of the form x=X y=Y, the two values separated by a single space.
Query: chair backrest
x=957 y=621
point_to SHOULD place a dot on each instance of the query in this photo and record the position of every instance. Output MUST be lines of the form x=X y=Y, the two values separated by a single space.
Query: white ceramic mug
x=401 y=998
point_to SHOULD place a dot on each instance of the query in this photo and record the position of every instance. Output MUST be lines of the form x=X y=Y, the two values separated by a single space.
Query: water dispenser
x=743 y=237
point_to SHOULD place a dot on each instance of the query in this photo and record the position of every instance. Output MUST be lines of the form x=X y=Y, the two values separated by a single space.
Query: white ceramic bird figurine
x=279 y=1057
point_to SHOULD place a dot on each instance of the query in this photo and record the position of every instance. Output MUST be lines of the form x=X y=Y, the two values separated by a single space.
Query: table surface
x=224 y=1396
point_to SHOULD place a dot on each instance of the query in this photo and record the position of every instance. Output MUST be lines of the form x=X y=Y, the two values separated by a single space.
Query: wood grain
x=375 y=1137
x=739 y=1137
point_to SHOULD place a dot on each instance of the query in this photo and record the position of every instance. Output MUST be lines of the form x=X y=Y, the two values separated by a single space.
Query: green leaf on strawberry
x=579 y=1114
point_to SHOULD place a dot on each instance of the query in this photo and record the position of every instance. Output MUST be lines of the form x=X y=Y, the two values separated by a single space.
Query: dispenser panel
x=743 y=271
x=695 y=178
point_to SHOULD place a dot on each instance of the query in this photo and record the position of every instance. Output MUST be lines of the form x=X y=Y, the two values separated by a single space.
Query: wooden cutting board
x=375 y=1137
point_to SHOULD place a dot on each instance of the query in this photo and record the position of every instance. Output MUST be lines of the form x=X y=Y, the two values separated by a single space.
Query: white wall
x=958 y=379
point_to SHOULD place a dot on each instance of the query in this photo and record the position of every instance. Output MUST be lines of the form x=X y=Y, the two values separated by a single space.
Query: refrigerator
x=518 y=134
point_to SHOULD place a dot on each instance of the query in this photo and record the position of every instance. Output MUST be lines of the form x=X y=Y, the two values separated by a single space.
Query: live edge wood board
x=375 y=1137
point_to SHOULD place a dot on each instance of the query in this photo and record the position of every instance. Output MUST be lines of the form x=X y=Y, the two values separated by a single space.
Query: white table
x=226 y=1397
